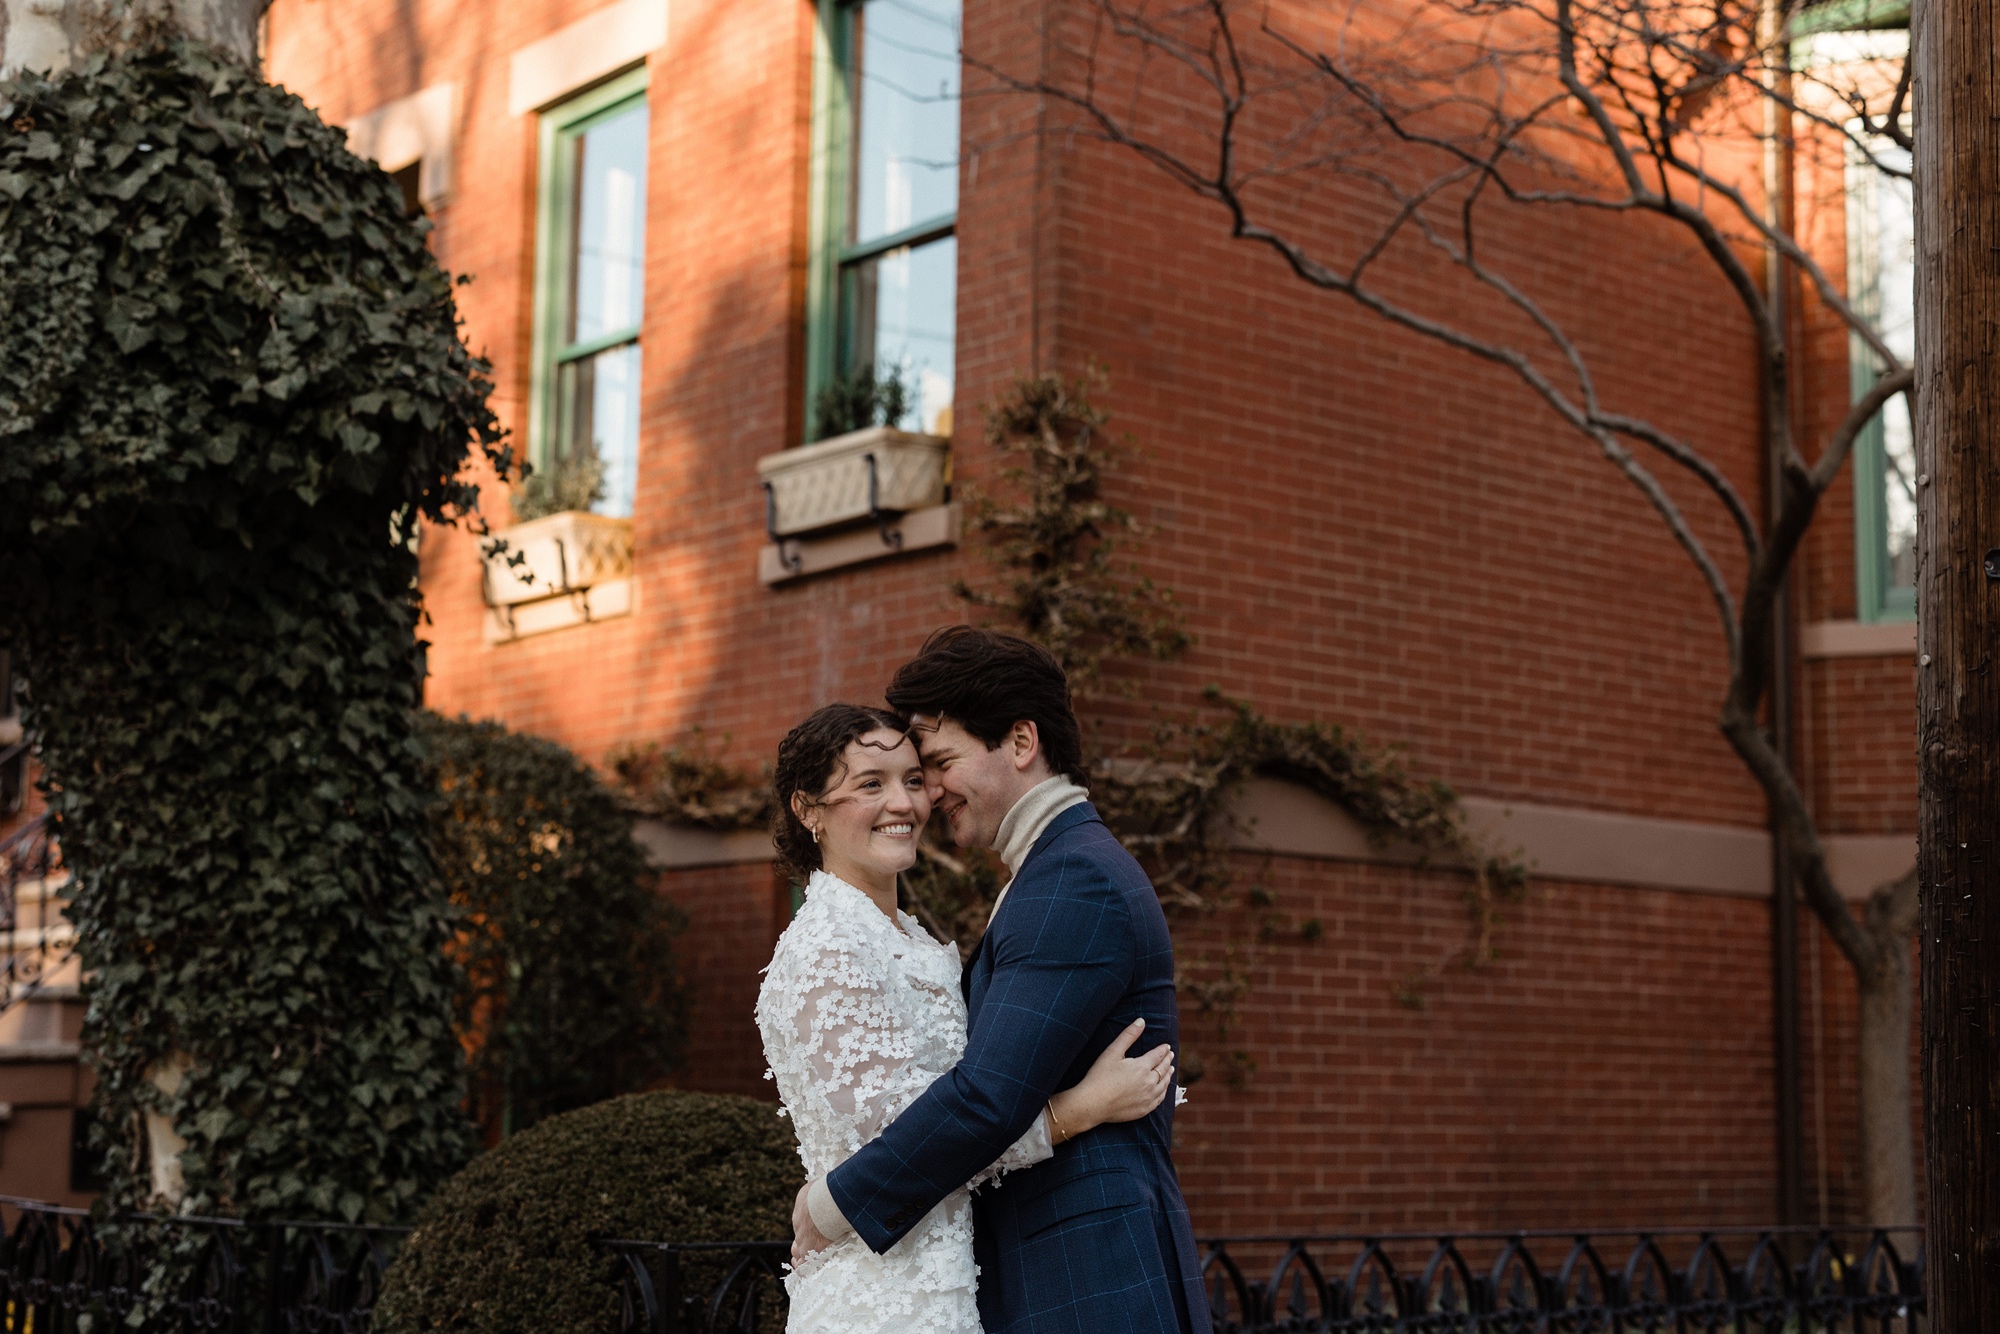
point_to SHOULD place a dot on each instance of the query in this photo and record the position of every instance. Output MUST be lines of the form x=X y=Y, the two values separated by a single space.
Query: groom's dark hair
x=986 y=681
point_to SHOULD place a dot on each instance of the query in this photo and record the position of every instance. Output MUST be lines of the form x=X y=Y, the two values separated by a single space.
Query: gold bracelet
x=1059 y=1136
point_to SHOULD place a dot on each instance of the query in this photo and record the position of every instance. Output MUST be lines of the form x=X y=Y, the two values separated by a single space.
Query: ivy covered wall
x=231 y=384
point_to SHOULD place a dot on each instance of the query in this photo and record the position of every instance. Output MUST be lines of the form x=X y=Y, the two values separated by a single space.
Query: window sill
x=557 y=571
x=852 y=479
x=801 y=558
x=558 y=553
x=1858 y=639
x=601 y=602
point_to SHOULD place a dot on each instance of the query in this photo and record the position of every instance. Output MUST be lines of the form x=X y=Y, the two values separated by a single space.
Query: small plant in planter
x=556 y=544
x=573 y=482
x=858 y=401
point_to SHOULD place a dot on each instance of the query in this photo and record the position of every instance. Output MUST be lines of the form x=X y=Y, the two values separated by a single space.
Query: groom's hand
x=806 y=1236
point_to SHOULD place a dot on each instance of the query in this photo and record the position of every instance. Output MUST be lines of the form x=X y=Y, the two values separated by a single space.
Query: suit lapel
x=1080 y=813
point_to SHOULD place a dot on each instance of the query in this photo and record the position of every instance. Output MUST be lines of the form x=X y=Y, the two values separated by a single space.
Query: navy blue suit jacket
x=1096 y=1240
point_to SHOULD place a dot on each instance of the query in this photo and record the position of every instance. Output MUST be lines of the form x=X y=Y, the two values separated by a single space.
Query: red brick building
x=682 y=221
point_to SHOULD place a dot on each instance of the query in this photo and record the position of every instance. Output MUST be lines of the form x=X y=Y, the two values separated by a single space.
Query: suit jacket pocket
x=1093 y=1192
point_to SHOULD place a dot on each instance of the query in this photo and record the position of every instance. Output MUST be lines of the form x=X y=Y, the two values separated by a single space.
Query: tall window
x=1881 y=268
x=886 y=261
x=590 y=285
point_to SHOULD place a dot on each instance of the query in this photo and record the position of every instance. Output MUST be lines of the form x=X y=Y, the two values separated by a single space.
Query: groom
x=1096 y=1239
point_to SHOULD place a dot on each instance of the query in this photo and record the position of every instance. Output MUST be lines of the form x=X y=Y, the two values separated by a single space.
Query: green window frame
x=836 y=324
x=1819 y=16
x=561 y=132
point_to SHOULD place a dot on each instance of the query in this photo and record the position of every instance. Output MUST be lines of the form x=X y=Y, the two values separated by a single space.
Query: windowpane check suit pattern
x=1097 y=1239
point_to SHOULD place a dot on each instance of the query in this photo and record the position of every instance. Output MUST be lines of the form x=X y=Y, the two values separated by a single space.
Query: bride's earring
x=815 y=832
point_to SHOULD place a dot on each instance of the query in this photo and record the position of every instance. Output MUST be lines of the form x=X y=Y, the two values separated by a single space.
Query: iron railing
x=655 y=1296
x=35 y=937
x=60 y=1273
x=1660 y=1281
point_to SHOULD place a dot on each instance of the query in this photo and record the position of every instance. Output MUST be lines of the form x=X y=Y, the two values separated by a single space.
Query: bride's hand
x=1116 y=1088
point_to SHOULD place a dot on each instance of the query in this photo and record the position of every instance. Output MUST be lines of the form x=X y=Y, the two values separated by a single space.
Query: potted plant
x=862 y=468
x=557 y=548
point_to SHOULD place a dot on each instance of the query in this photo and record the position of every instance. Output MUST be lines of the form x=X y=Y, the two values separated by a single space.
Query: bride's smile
x=867 y=818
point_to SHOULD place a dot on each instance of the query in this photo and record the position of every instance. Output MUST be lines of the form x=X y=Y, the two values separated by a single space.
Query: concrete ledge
x=38 y=1051
x=410 y=129
x=679 y=847
x=584 y=52
x=1570 y=843
x=1858 y=639
x=601 y=602
x=1562 y=843
x=1862 y=863
x=803 y=557
x=1558 y=843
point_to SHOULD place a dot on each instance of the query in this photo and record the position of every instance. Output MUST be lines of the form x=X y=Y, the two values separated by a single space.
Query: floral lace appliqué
x=859 y=1015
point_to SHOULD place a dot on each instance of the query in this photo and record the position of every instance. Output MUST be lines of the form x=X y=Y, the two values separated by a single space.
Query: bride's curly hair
x=809 y=762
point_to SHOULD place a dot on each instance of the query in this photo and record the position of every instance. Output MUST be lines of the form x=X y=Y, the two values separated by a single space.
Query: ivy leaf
x=123 y=320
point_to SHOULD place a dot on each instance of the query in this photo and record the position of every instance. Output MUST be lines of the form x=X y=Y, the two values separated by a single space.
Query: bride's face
x=870 y=816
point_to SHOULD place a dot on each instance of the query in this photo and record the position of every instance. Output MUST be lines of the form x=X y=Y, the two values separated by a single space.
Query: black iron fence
x=62 y=1272
x=1663 y=1281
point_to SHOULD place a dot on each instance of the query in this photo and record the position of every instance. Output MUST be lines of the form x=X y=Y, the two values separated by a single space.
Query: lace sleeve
x=1033 y=1147
x=850 y=1041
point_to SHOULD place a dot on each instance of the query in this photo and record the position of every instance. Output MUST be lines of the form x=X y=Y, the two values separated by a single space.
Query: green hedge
x=505 y=1247
x=570 y=993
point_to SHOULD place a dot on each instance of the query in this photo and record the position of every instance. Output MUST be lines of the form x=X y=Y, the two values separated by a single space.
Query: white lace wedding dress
x=859 y=1014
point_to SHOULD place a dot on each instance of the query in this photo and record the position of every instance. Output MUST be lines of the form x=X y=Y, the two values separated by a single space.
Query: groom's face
x=972 y=786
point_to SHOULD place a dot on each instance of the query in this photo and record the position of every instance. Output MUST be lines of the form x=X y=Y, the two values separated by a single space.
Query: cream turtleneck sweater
x=1025 y=824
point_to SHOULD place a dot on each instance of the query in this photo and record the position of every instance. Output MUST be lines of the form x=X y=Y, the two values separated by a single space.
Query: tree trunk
x=51 y=35
x=1888 y=1143
x=1888 y=1148
x=1958 y=626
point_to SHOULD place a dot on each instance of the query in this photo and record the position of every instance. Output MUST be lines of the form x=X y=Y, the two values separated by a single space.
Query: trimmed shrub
x=570 y=994
x=506 y=1245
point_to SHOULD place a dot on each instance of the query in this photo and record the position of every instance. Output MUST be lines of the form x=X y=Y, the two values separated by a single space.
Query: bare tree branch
x=1838 y=445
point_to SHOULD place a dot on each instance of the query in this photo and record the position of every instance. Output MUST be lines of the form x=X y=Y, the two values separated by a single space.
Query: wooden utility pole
x=1957 y=86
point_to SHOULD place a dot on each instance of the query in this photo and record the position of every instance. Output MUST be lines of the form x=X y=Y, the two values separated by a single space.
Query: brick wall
x=1613 y=1067
x=734 y=915
x=1362 y=527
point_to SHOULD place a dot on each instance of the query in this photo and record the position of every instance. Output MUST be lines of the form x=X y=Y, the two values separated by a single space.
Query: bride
x=860 y=1011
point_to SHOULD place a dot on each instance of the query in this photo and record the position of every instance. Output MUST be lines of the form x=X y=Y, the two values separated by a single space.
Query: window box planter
x=556 y=571
x=871 y=476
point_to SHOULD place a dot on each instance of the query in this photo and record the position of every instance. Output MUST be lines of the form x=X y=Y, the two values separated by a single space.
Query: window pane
x=1882 y=211
x=1895 y=240
x=598 y=417
x=903 y=319
x=608 y=278
x=906 y=112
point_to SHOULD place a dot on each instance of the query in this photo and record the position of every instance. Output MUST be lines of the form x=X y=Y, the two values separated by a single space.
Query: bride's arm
x=1115 y=1088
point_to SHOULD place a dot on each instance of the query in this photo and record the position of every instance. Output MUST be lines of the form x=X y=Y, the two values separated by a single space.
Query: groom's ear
x=1024 y=744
